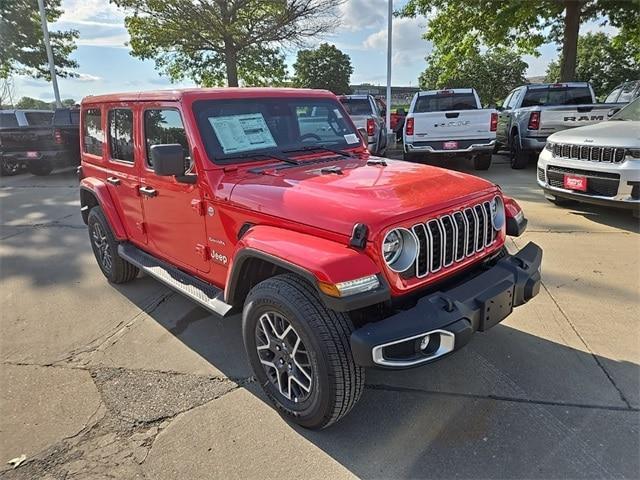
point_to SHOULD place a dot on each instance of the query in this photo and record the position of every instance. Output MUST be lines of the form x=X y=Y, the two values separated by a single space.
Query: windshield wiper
x=248 y=155
x=312 y=148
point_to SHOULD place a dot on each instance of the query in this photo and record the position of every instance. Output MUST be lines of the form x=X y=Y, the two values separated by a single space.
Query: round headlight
x=399 y=249
x=497 y=213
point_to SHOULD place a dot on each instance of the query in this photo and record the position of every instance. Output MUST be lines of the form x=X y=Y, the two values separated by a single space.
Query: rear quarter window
x=8 y=120
x=92 y=134
x=446 y=102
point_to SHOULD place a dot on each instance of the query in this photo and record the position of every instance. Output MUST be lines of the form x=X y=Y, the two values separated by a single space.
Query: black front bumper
x=453 y=315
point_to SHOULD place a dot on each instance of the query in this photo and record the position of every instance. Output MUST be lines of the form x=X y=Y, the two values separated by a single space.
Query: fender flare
x=313 y=258
x=99 y=190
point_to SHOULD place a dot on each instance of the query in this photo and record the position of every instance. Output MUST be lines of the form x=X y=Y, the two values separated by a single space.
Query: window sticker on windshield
x=240 y=133
x=351 y=138
x=337 y=112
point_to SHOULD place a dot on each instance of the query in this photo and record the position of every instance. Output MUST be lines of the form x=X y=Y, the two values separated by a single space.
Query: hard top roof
x=204 y=93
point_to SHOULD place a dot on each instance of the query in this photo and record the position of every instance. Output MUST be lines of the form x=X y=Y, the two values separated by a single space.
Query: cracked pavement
x=135 y=382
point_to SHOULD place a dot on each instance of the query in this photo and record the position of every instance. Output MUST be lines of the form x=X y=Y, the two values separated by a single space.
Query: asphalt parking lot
x=101 y=381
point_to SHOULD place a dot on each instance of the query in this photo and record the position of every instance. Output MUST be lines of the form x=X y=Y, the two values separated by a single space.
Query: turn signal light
x=534 y=121
x=371 y=127
x=409 y=126
x=350 y=287
x=494 y=122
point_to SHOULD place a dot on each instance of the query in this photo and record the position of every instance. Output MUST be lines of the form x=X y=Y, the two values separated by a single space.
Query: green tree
x=493 y=74
x=213 y=40
x=456 y=27
x=23 y=50
x=604 y=61
x=324 y=67
x=33 y=103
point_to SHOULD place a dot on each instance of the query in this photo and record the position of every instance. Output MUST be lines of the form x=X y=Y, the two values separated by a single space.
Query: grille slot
x=449 y=239
x=592 y=154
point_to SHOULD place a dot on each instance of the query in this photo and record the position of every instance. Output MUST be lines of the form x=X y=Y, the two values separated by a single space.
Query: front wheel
x=519 y=157
x=299 y=351
x=9 y=168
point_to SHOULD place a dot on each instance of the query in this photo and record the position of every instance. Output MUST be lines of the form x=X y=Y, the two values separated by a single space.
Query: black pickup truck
x=40 y=140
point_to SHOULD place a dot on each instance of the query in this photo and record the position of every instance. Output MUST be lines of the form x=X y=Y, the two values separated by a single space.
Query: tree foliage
x=456 y=27
x=604 y=61
x=37 y=104
x=324 y=67
x=23 y=51
x=211 y=41
x=493 y=74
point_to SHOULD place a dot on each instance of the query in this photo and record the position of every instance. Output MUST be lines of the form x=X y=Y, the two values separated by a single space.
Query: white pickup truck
x=450 y=123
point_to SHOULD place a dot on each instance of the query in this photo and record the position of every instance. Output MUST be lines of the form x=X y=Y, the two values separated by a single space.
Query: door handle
x=113 y=181
x=148 y=191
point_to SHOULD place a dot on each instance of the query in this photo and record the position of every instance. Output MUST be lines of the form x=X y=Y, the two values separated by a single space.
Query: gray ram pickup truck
x=531 y=113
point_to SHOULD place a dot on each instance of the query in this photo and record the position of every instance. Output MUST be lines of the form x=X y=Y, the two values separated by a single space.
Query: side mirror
x=613 y=111
x=364 y=136
x=168 y=160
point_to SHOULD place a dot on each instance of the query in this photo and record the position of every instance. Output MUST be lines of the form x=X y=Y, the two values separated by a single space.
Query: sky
x=107 y=66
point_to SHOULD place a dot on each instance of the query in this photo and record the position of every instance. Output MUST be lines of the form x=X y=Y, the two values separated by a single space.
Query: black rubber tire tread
x=40 y=169
x=481 y=162
x=333 y=329
x=6 y=171
x=519 y=159
x=121 y=270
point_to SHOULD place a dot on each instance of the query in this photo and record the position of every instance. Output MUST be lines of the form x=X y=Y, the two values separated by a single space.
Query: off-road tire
x=482 y=162
x=519 y=158
x=9 y=168
x=120 y=271
x=41 y=169
x=337 y=382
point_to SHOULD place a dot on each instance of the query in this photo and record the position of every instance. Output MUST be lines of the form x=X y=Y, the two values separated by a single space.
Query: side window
x=92 y=134
x=163 y=126
x=121 y=134
x=626 y=94
x=505 y=103
x=38 y=118
x=613 y=96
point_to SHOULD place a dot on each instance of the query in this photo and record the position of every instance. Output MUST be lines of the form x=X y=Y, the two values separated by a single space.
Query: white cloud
x=102 y=11
x=408 y=45
x=117 y=40
x=360 y=14
x=87 y=77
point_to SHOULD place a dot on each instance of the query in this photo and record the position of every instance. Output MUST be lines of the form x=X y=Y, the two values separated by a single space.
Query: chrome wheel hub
x=102 y=246
x=284 y=357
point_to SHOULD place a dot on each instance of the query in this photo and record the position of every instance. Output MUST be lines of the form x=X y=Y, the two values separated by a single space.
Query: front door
x=173 y=213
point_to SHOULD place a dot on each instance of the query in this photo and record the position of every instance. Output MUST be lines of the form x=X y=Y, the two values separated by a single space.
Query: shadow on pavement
x=509 y=405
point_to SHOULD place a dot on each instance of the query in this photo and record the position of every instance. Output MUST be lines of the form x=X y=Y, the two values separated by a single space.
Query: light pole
x=47 y=45
x=389 y=35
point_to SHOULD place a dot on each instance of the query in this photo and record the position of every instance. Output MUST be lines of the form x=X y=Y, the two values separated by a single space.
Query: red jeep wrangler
x=266 y=201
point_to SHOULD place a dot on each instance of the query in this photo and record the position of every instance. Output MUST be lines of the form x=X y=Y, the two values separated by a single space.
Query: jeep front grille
x=450 y=239
x=592 y=154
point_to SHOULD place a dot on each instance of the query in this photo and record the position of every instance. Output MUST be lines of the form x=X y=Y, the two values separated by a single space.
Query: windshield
x=551 y=95
x=629 y=113
x=251 y=126
x=443 y=102
x=356 y=106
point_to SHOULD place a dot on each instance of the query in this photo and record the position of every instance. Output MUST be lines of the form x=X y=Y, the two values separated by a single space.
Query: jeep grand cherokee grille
x=602 y=184
x=592 y=154
x=449 y=239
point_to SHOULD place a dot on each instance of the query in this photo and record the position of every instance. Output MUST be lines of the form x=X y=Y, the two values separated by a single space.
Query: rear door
x=173 y=210
x=449 y=115
x=123 y=168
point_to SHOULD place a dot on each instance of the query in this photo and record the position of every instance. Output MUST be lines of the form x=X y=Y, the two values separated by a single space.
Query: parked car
x=624 y=93
x=10 y=122
x=595 y=164
x=531 y=113
x=338 y=260
x=41 y=140
x=368 y=116
x=447 y=123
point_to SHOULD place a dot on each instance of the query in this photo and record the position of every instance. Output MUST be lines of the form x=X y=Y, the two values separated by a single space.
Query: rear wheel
x=41 y=169
x=412 y=157
x=519 y=158
x=105 y=249
x=482 y=162
x=9 y=167
x=299 y=351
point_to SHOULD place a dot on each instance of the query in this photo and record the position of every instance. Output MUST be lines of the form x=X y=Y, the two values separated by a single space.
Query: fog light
x=424 y=343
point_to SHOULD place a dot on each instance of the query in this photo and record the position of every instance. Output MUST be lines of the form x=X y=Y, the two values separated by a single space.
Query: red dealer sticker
x=575 y=182
x=450 y=145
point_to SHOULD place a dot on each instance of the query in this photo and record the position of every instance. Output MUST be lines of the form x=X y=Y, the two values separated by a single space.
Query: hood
x=613 y=133
x=375 y=195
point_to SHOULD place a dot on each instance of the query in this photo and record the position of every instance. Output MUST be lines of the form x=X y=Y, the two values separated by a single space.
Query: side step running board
x=206 y=295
